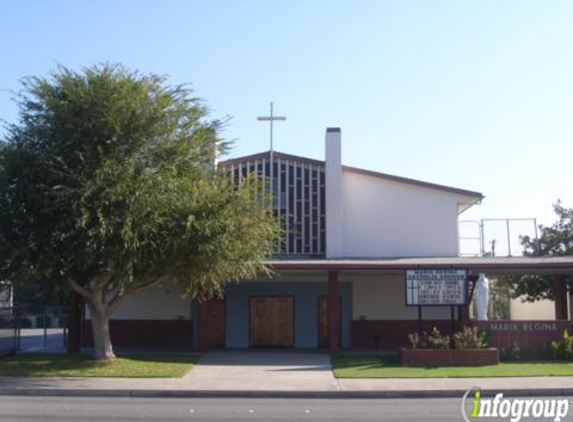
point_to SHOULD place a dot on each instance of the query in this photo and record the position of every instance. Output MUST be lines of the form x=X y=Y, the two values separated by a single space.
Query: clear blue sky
x=474 y=94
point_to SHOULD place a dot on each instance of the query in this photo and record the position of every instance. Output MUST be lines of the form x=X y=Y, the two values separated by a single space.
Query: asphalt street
x=208 y=409
x=140 y=409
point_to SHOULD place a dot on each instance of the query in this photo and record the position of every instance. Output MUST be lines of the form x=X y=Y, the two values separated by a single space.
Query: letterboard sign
x=439 y=287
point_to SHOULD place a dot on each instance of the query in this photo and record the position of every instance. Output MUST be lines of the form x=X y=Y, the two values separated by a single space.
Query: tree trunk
x=103 y=349
x=101 y=307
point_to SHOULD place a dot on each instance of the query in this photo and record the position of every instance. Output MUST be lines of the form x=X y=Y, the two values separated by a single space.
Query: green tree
x=108 y=185
x=554 y=240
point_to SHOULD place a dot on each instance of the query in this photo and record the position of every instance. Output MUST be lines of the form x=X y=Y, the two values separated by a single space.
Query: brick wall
x=532 y=337
x=390 y=334
x=160 y=334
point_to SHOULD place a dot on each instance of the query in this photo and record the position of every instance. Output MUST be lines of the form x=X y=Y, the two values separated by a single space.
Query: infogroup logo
x=475 y=407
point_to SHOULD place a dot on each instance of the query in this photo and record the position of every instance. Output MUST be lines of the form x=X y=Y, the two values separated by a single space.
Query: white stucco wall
x=544 y=310
x=383 y=297
x=383 y=218
x=155 y=304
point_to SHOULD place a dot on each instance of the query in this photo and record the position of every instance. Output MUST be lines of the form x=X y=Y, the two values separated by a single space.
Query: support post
x=560 y=292
x=333 y=312
x=464 y=310
x=463 y=316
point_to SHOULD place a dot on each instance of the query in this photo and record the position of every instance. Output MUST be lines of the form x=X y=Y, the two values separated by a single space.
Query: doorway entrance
x=271 y=321
x=216 y=319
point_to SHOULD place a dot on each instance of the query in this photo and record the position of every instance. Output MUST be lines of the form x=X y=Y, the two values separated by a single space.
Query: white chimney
x=333 y=177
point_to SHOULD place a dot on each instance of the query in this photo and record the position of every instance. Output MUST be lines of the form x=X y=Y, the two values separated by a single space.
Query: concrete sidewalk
x=355 y=388
x=278 y=374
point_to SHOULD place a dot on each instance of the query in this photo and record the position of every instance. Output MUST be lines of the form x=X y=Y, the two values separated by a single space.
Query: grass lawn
x=385 y=366
x=148 y=365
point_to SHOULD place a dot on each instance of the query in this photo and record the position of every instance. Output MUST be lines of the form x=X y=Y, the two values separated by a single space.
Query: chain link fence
x=26 y=329
x=8 y=331
x=44 y=328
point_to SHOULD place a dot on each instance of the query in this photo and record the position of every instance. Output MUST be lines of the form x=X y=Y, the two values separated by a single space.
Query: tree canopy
x=554 y=240
x=109 y=184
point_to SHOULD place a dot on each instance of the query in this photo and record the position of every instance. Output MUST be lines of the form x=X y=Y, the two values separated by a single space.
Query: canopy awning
x=502 y=265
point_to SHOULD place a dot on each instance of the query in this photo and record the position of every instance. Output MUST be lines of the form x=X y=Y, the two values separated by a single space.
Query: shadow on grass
x=78 y=365
x=366 y=362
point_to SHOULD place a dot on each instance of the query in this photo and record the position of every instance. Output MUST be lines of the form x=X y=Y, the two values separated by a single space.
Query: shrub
x=429 y=340
x=512 y=353
x=562 y=349
x=436 y=340
x=470 y=338
x=415 y=340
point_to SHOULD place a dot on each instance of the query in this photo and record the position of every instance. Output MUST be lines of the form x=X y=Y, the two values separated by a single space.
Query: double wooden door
x=271 y=321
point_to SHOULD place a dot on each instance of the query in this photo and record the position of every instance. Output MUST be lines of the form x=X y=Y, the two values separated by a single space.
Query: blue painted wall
x=305 y=308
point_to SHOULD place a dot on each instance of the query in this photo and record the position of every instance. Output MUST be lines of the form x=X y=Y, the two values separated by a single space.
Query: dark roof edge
x=415 y=182
x=266 y=154
x=399 y=179
x=520 y=266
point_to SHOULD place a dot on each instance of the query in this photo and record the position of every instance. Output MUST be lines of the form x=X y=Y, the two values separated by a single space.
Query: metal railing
x=494 y=236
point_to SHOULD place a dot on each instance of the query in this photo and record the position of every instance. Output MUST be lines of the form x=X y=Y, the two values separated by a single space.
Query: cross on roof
x=272 y=118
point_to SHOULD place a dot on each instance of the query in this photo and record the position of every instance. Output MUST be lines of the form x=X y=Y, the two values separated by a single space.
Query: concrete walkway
x=278 y=374
x=263 y=370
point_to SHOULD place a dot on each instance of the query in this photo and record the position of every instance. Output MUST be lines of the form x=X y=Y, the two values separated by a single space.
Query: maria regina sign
x=445 y=287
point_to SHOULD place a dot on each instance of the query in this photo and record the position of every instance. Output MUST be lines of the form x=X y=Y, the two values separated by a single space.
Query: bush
x=415 y=340
x=562 y=349
x=512 y=353
x=436 y=340
x=470 y=338
x=429 y=340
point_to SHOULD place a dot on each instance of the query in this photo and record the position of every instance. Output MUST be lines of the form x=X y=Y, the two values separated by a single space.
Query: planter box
x=450 y=357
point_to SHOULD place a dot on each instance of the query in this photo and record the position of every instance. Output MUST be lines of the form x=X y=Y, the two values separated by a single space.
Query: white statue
x=482 y=297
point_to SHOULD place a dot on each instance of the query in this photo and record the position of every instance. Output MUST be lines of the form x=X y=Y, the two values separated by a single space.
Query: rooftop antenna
x=271 y=118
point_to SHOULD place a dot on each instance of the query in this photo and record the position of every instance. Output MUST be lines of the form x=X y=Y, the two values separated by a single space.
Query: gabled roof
x=266 y=155
x=279 y=155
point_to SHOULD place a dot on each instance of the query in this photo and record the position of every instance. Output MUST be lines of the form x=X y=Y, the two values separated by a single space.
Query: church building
x=355 y=244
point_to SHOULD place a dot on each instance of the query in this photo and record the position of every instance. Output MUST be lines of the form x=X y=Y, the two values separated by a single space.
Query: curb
x=370 y=394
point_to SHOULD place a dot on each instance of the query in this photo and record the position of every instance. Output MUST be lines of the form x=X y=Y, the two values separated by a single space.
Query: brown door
x=272 y=321
x=322 y=318
x=216 y=323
